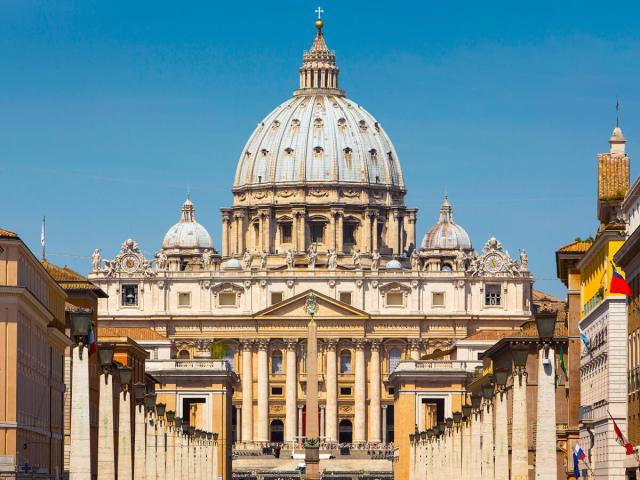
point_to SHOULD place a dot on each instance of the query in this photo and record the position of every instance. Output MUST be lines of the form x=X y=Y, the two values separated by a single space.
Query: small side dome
x=233 y=264
x=394 y=265
x=187 y=234
x=446 y=234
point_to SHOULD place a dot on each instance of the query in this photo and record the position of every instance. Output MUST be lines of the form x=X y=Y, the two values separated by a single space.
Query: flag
x=585 y=341
x=562 y=365
x=578 y=455
x=91 y=340
x=620 y=438
x=618 y=283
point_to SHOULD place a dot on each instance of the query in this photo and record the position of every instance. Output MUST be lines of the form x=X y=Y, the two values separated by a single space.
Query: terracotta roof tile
x=539 y=296
x=7 y=234
x=491 y=334
x=141 y=333
x=575 y=247
x=69 y=279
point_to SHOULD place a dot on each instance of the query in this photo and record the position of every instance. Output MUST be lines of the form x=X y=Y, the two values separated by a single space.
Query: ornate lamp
x=125 y=377
x=160 y=409
x=178 y=423
x=476 y=400
x=487 y=391
x=80 y=322
x=412 y=437
x=467 y=410
x=139 y=391
x=171 y=416
x=436 y=430
x=191 y=430
x=457 y=417
x=430 y=433
x=105 y=355
x=215 y=437
x=449 y=422
x=501 y=375
x=150 y=401
x=185 y=427
x=209 y=436
x=520 y=354
x=443 y=427
x=546 y=325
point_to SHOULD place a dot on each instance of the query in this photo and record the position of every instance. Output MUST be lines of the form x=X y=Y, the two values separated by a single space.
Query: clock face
x=130 y=263
x=493 y=263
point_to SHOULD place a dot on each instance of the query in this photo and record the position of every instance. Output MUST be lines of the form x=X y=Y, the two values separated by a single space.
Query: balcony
x=586 y=414
x=173 y=367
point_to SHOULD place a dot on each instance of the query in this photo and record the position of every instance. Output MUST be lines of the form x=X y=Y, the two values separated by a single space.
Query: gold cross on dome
x=319 y=11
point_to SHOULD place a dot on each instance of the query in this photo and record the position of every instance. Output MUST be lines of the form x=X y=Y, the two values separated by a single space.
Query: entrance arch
x=276 y=431
x=345 y=431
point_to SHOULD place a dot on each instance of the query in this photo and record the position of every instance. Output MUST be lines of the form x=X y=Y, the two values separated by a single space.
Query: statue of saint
x=356 y=257
x=332 y=260
x=415 y=260
x=96 y=260
x=207 y=259
x=246 y=259
x=375 y=260
x=524 y=260
x=312 y=255
x=161 y=260
x=291 y=260
x=460 y=261
x=263 y=260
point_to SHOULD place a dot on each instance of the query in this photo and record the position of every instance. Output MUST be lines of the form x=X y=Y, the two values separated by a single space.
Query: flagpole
x=43 y=236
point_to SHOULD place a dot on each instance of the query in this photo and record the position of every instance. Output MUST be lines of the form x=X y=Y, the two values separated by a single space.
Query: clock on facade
x=130 y=263
x=493 y=263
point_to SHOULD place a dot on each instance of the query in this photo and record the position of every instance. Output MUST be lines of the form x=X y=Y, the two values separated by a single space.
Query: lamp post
x=106 y=457
x=177 y=462
x=80 y=458
x=519 y=429
x=488 y=471
x=150 y=404
x=501 y=376
x=161 y=466
x=124 y=425
x=139 y=448
x=546 y=399
x=171 y=442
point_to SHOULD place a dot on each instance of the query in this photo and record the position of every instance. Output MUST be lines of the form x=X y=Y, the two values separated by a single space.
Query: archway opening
x=345 y=431
x=276 y=434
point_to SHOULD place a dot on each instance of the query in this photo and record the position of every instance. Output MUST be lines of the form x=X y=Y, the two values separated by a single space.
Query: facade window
x=227 y=299
x=317 y=232
x=184 y=299
x=395 y=299
x=492 y=295
x=276 y=390
x=446 y=267
x=394 y=359
x=129 y=295
x=184 y=354
x=437 y=299
x=345 y=390
x=285 y=232
x=276 y=297
x=345 y=361
x=276 y=362
x=349 y=233
x=345 y=297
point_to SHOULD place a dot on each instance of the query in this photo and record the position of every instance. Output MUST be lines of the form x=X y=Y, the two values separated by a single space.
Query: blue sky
x=109 y=111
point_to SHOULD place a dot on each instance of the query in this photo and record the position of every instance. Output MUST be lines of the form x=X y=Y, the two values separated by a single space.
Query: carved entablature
x=129 y=261
x=227 y=287
x=394 y=287
x=495 y=261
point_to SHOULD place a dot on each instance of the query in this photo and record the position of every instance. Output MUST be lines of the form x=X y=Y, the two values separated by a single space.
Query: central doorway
x=276 y=431
x=345 y=432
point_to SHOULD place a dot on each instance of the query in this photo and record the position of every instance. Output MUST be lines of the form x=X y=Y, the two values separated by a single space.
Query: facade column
x=80 y=458
x=374 y=392
x=332 y=229
x=384 y=423
x=262 y=432
x=502 y=436
x=151 y=447
x=476 y=442
x=546 y=417
x=322 y=420
x=140 y=454
x=238 y=437
x=340 y=232
x=488 y=471
x=161 y=466
x=374 y=232
x=465 y=455
x=171 y=455
x=360 y=394
x=331 y=428
x=302 y=226
x=225 y=234
x=519 y=429
x=300 y=422
x=366 y=233
x=215 y=466
x=177 y=453
x=124 y=436
x=106 y=449
x=414 y=348
x=291 y=388
x=247 y=391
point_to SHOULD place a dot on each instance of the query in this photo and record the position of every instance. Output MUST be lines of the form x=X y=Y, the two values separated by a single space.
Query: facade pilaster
x=247 y=391
x=340 y=231
x=374 y=231
x=291 y=387
x=384 y=423
x=360 y=407
x=374 y=392
x=262 y=432
x=322 y=421
x=331 y=428
x=300 y=422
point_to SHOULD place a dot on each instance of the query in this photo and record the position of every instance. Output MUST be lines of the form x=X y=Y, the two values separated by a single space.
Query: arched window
x=276 y=362
x=184 y=354
x=394 y=359
x=345 y=361
x=229 y=357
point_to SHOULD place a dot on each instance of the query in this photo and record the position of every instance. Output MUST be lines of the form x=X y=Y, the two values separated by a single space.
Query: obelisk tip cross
x=319 y=11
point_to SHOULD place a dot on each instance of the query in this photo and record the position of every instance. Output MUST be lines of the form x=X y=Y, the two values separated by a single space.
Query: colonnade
x=367 y=385
x=475 y=443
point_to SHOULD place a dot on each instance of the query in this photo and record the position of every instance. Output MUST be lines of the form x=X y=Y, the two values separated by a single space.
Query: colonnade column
x=247 y=391
x=466 y=448
x=331 y=419
x=412 y=456
x=501 y=435
x=161 y=472
x=225 y=234
x=291 y=387
x=360 y=394
x=262 y=431
x=140 y=453
x=177 y=450
x=546 y=417
x=80 y=459
x=488 y=471
x=476 y=434
x=151 y=447
x=124 y=432
x=519 y=429
x=106 y=457
x=171 y=446
x=300 y=422
x=374 y=387
x=384 y=423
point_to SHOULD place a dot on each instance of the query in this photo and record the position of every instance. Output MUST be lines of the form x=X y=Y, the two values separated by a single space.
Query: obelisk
x=312 y=442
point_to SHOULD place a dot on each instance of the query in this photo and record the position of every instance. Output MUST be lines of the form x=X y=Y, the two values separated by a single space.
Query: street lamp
x=150 y=401
x=546 y=325
x=185 y=427
x=160 y=409
x=467 y=411
x=412 y=437
x=430 y=433
x=80 y=322
x=487 y=391
x=125 y=377
x=457 y=417
x=476 y=400
x=178 y=423
x=215 y=437
x=449 y=422
x=105 y=354
x=171 y=416
x=139 y=391
x=520 y=354
x=501 y=375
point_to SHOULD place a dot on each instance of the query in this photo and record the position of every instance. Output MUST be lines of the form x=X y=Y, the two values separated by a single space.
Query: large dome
x=446 y=234
x=187 y=234
x=319 y=136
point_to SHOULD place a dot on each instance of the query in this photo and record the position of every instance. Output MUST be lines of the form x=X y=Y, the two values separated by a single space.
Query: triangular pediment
x=327 y=307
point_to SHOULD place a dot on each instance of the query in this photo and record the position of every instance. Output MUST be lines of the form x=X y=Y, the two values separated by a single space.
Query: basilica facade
x=318 y=205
